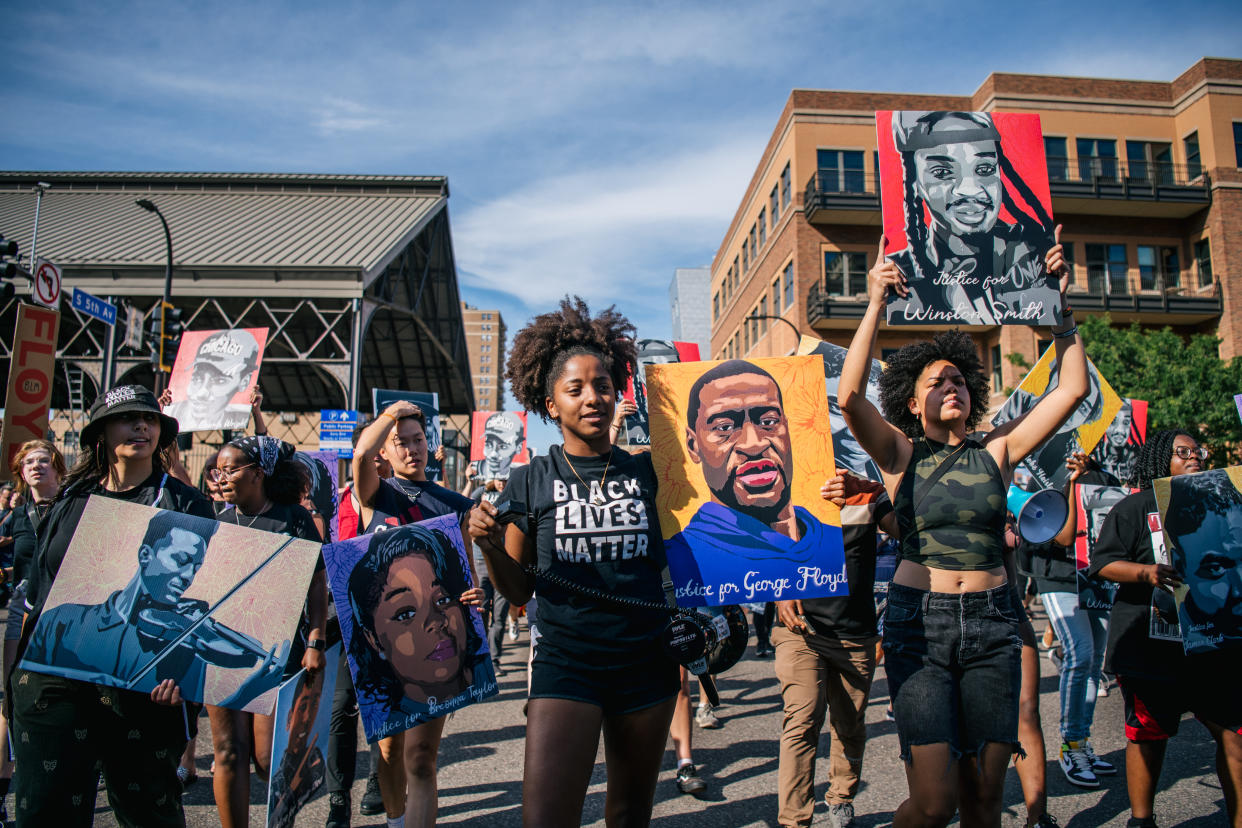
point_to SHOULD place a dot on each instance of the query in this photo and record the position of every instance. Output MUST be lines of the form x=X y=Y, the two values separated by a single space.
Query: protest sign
x=497 y=442
x=429 y=403
x=650 y=352
x=846 y=451
x=213 y=376
x=303 y=718
x=30 y=380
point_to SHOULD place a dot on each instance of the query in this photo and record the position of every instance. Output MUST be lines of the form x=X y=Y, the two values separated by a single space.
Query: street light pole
x=150 y=207
x=792 y=327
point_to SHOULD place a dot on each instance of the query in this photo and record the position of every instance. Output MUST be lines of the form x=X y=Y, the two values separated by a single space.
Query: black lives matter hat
x=122 y=400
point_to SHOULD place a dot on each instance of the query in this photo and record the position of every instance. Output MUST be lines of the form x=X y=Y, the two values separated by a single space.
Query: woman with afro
x=586 y=517
x=1159 y=681
x=951 y=640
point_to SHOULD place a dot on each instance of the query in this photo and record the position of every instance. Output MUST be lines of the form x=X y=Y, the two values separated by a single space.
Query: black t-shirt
x=1127 y=535
x=398 y=501
x=25 y=537
x=610 y=549
x=160 y=490
x=852 y=617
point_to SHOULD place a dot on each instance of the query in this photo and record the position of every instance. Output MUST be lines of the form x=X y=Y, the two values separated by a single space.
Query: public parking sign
x=336 y=431
x=94 y=306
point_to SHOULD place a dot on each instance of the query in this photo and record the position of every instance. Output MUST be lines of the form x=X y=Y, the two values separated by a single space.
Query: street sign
x=336 y=431
x=133 y=328
x=105 y=312
x=46 y=289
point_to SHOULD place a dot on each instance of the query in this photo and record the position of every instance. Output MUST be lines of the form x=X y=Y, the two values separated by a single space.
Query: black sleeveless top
x=960 y=523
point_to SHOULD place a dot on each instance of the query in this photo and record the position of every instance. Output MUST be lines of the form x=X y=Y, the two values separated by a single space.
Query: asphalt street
x=481 y=765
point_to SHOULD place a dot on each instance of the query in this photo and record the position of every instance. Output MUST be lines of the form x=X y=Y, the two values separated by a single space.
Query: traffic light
x=164 y=335
x=8 y=270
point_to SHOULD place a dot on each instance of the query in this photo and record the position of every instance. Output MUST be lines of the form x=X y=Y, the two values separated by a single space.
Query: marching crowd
x=959 y=650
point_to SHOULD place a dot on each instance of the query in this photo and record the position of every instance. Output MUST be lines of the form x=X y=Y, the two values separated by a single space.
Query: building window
x=789 y=285
x=1203 y=262
x=845 y=274
x=774 y=208
x=1194 y=166
x=997 y=380
x=1149 y=162
x=745 y=337
x=1237 y=142
x=763 y=228
x=841 y=171
x=763 y=311
x=785 y=187
x=1097 y=159
x=1067 y=249
x=776 y=295
x=736 y=273
x=1058 y=159
x=745 y=254
x=1158 y=267
x=1106 y=268
x=754 y=243
x=716 y=306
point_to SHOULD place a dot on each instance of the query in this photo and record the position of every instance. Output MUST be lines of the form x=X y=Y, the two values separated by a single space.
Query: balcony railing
x=1109 y=178
x=1093 y=294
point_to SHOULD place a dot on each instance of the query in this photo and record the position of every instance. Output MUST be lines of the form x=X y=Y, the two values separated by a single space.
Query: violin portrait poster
x=416 y=651
x=146 y=594
x=741 y=449
x=300 y=740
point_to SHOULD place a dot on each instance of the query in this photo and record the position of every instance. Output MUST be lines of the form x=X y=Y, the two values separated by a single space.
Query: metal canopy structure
x=353 y=275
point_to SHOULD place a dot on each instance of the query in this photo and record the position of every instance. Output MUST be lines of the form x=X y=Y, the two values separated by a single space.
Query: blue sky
x=590 y=148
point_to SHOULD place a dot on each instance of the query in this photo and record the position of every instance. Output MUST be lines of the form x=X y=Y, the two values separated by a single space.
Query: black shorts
x=617 y=685
x=1154 y=709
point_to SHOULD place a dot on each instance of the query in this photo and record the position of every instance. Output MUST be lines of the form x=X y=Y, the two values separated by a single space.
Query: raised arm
x=366 y=478
x=1026 y=433
x=1077 y=464
x=879 y=438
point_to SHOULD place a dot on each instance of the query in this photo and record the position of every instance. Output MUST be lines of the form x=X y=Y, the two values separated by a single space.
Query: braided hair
x=540 y=350
x=1156 y=456
x=897 y=383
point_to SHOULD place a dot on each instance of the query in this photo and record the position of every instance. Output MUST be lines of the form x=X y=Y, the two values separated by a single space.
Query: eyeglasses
x=220 y=475
x=1188 y=453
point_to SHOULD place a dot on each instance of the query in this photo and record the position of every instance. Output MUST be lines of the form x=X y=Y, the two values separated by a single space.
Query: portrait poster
x=146 y=594
x=967 y=217
x=429 y=403
x=323 y=471
x=213 y=376
x=1117 y=452
x=1202 y=519
x=846 y=451
x=1081 y=431
x=1093 y=503
x=498 y=442
x=741 y=449
x=405 y=671
x=650 y=352
x=302 y=717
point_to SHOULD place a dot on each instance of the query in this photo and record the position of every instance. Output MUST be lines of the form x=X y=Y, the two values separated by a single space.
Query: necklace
x=597 y=497
x=266 y=505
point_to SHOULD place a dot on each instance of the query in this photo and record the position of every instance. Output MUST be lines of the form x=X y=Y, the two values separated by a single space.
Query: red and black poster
x=651 y=352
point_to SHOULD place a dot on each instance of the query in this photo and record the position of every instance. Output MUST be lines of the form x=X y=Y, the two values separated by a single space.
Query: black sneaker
x=372 y=803
x=688 y=781
x=1046 y=821
x=1145 y=822
x=338 y=810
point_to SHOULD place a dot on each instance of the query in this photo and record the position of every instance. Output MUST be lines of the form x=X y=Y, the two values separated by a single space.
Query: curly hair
x=897 y=383
x=1156 y=456
x=540 y=350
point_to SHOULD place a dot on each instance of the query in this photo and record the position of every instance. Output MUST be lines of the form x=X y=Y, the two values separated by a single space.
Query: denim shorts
x=954 y=666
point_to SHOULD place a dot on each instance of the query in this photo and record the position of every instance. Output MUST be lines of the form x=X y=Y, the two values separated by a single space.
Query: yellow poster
x=741 y=449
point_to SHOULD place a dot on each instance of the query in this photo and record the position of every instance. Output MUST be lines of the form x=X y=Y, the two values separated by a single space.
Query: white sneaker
x=513 y=629
x=705 y=718
x=1098 y=765
x=1076 y=765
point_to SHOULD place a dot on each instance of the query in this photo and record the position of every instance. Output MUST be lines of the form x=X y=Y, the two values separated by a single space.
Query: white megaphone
x=1040 y=514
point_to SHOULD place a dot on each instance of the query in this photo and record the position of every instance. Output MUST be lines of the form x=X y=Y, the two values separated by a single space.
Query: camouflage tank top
x=960 y=523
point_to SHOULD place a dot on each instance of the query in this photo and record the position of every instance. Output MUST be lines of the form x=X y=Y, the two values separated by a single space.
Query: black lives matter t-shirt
x=611 y=547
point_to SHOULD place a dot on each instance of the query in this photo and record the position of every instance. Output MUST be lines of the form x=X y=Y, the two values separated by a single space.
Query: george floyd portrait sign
x=1202 y=519
x=213 y=376
x=146 y=594
x=30 y=380
x=967 y=217
x=415 y=651
x=741 y=449
x=497 y=442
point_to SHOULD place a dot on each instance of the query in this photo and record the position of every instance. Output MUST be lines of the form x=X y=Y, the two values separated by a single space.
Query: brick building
x=1145 y=177
x=485 y=342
